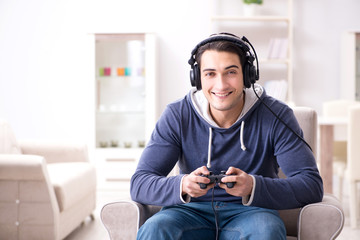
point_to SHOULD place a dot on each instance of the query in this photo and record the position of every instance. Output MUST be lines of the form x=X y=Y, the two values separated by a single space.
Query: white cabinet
x=125 y=107
x=115 y=167
x=269 y=29
x=350 y=65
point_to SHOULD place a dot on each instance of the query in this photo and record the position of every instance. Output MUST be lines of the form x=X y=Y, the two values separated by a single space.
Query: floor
x=94 y=230
x=347 y=233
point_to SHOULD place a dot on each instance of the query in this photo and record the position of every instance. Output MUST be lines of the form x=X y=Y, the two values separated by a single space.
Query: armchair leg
x=353 y=204
x=340 y=191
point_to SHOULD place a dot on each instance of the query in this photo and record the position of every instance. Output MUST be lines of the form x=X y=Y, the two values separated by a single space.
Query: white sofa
x=47 y=189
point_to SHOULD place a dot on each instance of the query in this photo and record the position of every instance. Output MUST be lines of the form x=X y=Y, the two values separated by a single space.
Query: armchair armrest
x=55 y=152
x=323 y=220
x=122 y=219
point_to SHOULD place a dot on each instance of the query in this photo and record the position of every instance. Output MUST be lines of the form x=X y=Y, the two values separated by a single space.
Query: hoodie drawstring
x=242 y=136
x=208 y=165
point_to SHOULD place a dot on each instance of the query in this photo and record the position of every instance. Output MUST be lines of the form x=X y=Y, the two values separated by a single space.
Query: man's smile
x=221 y=94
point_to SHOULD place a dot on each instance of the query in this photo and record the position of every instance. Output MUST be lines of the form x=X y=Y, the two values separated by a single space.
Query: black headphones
x=250 y=72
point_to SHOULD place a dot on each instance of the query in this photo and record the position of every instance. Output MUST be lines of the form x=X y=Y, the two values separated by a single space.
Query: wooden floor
x=94 y=230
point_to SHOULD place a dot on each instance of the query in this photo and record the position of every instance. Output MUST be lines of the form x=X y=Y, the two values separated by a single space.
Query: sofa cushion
x=72 y=182
x=8 y=143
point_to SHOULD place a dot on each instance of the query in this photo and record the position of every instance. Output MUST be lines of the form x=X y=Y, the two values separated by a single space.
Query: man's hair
x=221 y=46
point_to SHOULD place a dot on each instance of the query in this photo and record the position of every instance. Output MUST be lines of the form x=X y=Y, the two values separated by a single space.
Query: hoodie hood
x=201 y=106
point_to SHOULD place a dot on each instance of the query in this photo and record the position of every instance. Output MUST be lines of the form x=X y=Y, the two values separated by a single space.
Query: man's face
x=222 y=81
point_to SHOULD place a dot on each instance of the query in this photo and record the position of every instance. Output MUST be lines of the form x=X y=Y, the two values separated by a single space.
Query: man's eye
x=209 y=74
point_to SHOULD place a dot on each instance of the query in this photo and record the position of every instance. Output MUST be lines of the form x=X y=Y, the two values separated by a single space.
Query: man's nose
x=221 y=81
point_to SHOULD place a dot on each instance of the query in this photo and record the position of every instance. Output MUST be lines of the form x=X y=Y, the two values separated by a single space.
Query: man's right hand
x=190 y=183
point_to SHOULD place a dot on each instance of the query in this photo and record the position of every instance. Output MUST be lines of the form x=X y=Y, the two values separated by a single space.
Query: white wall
x=46 y=58
x=317 y=48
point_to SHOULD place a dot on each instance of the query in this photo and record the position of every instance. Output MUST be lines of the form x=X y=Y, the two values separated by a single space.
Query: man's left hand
x=243 y=182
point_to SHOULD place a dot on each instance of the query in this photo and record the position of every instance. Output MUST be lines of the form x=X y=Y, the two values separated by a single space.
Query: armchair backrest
x=8 y=143
x=307 y=118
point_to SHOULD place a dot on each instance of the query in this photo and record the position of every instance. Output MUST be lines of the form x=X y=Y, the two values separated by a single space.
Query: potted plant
x=251 y=7
x=253 y=1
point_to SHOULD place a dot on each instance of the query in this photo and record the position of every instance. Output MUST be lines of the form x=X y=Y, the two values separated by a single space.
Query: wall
x=318 y=29
x=46 y=58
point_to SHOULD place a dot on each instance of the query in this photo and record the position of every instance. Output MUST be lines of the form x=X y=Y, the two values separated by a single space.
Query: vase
x=251 y=9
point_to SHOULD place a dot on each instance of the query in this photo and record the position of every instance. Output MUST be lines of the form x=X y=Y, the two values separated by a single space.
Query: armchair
x=47 y=189
x=323 y=220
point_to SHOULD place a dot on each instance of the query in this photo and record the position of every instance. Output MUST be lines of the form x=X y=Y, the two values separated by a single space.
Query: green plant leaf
x=253 y=1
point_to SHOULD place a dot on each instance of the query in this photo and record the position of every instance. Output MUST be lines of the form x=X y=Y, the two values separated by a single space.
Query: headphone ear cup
x=192 y=77
x=195 y=77
x=249 y=74
x=252 y=74
x=246 y=75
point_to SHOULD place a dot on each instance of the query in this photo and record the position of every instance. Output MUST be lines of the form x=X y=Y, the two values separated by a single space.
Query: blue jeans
x=196 y=220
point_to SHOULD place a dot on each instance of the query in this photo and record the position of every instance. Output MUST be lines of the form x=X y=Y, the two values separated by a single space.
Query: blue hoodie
x=257 y=143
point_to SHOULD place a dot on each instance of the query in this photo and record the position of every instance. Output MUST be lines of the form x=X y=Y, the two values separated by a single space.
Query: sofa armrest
x=22 y=167
x=122 y=219
x=55 y=152
x=323 y=220
x=27 y=198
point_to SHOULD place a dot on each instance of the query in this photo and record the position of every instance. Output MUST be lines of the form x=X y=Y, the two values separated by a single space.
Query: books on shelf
x=278 y=48
x=277 y=89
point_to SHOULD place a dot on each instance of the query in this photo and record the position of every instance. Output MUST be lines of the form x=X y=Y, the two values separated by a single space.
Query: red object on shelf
x=107 y=71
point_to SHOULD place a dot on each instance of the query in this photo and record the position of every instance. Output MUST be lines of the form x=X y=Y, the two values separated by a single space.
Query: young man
x=224 y=124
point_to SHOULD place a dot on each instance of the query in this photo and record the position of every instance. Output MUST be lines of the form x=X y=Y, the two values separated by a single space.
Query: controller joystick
x=216 y=179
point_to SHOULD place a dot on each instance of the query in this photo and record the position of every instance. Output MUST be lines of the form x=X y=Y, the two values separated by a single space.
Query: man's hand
x=190 y=183
x=243 y=182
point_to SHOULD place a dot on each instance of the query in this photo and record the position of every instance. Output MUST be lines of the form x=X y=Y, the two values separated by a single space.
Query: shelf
x=119 y=77
x=274 y=61
x=114 y=152
x=250 y=19
x=270 y=29
x=120 y=111
x=116 y=155
x=350 y=67
x=125 y=104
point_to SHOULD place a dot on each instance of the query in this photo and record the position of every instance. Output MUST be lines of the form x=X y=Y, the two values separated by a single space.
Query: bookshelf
x=125 y=105
x=350 y=65
x=270 y=30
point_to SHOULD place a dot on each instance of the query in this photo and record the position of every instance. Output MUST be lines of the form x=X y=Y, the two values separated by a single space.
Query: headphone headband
x=219 y=37
x=250 y=73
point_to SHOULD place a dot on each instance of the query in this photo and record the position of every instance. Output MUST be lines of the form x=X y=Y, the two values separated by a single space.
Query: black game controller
x=216 y=179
